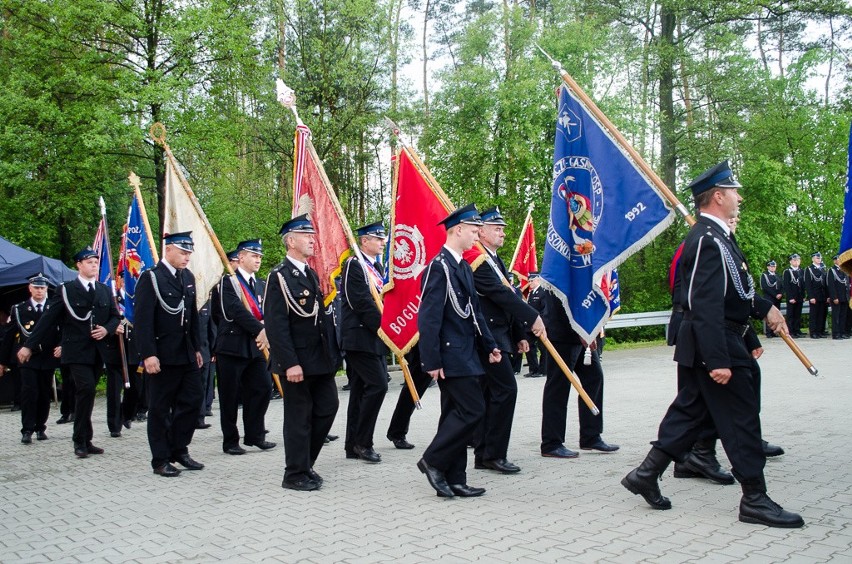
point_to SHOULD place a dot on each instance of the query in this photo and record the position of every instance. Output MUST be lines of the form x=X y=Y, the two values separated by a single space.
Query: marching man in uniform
x=37 y=374
x=452 y=328
x=240 y=342
x=365 y=352
x=168 y=337
x=85 y=310
x=715 y=364
x=301 y=342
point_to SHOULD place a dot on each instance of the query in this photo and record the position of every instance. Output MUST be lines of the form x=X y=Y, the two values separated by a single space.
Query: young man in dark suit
x=303 y=350
x=85 y=310
x=168 y=337
x=452 y=330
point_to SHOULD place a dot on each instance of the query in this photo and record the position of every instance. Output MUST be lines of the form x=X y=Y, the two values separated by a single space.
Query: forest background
x=765 y=84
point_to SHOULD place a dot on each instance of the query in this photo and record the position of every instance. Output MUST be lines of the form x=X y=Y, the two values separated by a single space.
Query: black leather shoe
x=262 y=445
x=757 y=508
x=81 y=451
x=367 y=454
x=501 y=465
x=402 y=444
x=315 y=477
x=202 y=425
x=701 y=462
x=332 y=437
x=561 y=452
x=62 y=420
x=93 y=449
x=187 y=462
x=26 y=437
x=601 y=446
x=771 y=450
x=303 y=485
x=346 y=387
x=41 y=436
x=167 y=471
x=436 y=479
x=463 y=490
x=126 y=423
x=643 y=480
x=235 y=450
x=208 y=413
x=115 y=434
x=141 y=416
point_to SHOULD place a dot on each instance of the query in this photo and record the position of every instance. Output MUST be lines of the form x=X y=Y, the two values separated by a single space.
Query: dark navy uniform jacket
x=838 y=284
x=295 y=340
x=360 y=315
x=815 y=283
x=717 y=298
x=447 y=340
x=78 y=346
x=508 y=316
x=23 y=319
x=236 y=327
x=173 y=338
x=792 y=283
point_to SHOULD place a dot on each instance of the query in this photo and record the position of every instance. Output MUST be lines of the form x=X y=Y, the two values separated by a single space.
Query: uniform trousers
x=246 y=379
x=368 y=381
x=557 y=390
x=36 y=392
x=85 y=377
x=733 y=409
x=838 y=318
x=174 y=397
x=401 y=417
x=817 y=317
x=114 y=387
x=206 y=389
x=500 y=392
x=462 y=409
x=794 y=317
x=309 y=410
x=532 y=357
x=131 y=395
x=69 y=392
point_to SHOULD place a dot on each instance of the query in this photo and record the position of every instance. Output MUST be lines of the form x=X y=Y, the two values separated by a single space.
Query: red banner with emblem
x=525 y=260
x=419 y=204
x=314 y=195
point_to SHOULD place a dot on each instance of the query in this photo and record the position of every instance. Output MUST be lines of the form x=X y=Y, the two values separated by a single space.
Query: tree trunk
x=668 y=150
x=425 y=60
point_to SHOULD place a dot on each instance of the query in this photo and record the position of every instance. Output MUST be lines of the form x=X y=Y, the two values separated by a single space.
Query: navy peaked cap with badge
x=835 y=257
x=492 y=216
x=771 y=263
x=467 y=214
x=719 y=175
x=252 y=245
x=182 y=240
x=793 y=256
x=233 y=255
x=533 y=275
x=299 y=224
x=372 y=229
x=84 y=254
x=38 y=280
x=816 y=254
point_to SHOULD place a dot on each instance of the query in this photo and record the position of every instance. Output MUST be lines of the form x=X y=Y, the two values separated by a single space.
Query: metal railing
x=648 y=318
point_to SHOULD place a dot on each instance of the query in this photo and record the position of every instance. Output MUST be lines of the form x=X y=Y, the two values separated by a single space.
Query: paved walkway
x=112 y=508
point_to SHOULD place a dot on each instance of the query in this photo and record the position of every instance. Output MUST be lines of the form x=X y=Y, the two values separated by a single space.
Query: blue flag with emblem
x=136 y=256
x=845 y=251
x=603 y=209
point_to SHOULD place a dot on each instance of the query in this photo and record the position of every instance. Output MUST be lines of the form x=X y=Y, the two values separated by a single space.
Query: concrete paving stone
x=554 y=510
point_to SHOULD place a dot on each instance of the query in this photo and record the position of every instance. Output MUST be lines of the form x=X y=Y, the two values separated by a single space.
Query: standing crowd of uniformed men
x=472 y=322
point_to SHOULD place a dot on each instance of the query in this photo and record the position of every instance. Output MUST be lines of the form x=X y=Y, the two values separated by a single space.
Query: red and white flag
x=418 y=204
x=314 y=195
x=525 y=261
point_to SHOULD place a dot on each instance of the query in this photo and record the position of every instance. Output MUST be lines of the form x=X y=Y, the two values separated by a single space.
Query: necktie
x=38 y=309
x=179 y=276
x=251 y=285
x=379 y=268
